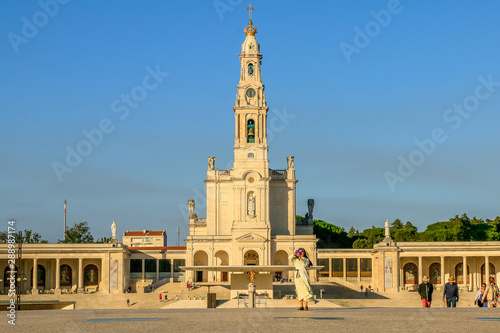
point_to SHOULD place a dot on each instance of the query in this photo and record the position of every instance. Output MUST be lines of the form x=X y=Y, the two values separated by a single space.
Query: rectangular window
x=179 y=273
x=366 y=267
x=150 y=268
x=165 y=269
x=135 y=268
x=352 y=267
x=338 y=267
x=325 y=270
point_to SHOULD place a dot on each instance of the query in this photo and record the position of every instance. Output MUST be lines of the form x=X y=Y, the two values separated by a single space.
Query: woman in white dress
x=302 y=283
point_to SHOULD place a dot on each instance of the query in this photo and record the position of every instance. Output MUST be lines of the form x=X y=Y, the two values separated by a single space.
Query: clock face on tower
x=250 y=92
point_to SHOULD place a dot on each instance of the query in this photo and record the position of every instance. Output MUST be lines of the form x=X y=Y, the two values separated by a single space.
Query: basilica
x=250 y=220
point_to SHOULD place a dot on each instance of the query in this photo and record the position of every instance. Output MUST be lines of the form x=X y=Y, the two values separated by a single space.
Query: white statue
x=387 y=229
x=251 y=205
x=290 y=162
x=113 y=230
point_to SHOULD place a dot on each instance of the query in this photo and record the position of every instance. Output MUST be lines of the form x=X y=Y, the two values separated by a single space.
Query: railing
x=201 y=220
x=278 y=172
x=224 y=172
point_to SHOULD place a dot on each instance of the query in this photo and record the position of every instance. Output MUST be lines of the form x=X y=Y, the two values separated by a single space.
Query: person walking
x=425 y=290
x=302 y=281
x=450 y=293
x=160 y=297
x=491 y=294
x=128 y=302
x=479 y=297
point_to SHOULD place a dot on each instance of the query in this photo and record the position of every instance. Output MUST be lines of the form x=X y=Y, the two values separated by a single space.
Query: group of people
x=191 y=285
x=487 y=296
x=279 y=278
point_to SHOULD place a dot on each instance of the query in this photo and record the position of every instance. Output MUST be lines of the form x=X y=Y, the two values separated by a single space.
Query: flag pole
x=64 y=234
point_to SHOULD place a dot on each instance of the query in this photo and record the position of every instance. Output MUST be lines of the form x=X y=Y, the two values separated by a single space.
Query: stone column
x=486 y=269
x=80 y=276
x=359 y=269
x=35 y=276
x=344 y=269
x=465 y=273
x=171 y=270
x=420 y=270
x=143 y=274
x=58 y=276
x=442 y=271
x=330 y=268
x=157 y=269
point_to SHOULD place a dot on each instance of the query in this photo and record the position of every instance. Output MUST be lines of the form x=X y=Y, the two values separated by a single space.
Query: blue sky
x=360 y=81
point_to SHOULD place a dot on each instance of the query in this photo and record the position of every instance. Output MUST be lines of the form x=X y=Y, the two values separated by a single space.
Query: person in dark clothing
x=425 y=290
x=450 y=293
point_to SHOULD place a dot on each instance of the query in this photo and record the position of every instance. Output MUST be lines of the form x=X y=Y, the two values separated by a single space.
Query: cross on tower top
x=250 y=8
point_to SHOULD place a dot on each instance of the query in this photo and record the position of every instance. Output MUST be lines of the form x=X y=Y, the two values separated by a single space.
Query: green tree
x=79 y=233
x=331 y=236
x=103 y=240
x=397 y=224
x=353 y=232
x=493 y=232
x=408 y=225
x=28 y=237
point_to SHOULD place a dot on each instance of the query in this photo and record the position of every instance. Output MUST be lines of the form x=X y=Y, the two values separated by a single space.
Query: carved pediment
x=250 y=237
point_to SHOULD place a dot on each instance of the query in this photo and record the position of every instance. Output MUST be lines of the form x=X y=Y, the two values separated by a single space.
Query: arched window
x=90 y=275
x=435 y=273
x=250 y=131
x=483 y=273
x=251 y=257
x=250 y=68
x=410 y=273
x=40 y=275
x=66 y=276
x=459 y=273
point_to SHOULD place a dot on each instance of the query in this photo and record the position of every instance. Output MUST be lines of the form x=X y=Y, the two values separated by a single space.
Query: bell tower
x=250 y=110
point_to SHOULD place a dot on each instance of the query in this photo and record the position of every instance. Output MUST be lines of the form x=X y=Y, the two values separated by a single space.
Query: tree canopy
x=79 y=233
x=458 y=228
x=28 y=236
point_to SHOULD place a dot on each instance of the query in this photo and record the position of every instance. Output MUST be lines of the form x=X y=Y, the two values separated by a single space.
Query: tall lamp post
x=20 y=269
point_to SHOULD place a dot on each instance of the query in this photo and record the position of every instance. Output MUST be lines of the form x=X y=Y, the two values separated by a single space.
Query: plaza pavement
x=258 y=320
x=334 y=296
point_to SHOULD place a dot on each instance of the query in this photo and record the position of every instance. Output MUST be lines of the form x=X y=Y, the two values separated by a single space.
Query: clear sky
x=391 y=109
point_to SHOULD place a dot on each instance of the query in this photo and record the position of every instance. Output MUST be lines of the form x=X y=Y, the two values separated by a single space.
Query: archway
x=90 y=275
x=40 y=277
x=6 y=275
x=221 y=259
x=200 y=259
x=483 y=273
x=251 y=258
x=66 y=278
x=459 y=273
x=435 y=273
x=410 y=273
x=280 y=258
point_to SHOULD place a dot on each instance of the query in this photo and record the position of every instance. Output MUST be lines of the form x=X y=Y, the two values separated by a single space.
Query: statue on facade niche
x=290 y=162
x=211 y=162
x=251 y=205
x=113 y=230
